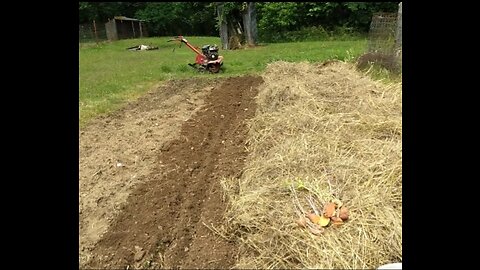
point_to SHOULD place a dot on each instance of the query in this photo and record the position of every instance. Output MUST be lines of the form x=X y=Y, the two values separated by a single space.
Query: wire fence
x=92 y=32
x=382 y=34
x=384 y=46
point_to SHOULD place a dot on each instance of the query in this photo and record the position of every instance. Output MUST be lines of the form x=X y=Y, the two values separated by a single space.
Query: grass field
x=110 y=75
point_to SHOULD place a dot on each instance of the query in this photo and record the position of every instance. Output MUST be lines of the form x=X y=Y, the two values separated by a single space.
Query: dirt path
x=162 y=222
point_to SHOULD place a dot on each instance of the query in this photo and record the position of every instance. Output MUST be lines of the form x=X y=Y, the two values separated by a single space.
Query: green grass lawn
x=110 y=75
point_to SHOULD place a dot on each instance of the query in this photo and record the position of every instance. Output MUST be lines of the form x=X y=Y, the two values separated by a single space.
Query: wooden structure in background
x=122 y=27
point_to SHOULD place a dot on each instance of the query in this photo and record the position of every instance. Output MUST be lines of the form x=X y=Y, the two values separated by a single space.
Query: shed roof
x=123 y=18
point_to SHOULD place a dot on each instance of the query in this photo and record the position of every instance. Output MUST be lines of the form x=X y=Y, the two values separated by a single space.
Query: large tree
x=250 y=23
x=237 y=23
x=239 y=20
x=222 y=25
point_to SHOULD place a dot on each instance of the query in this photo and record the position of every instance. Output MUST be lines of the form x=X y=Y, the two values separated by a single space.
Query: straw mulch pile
x=322 y=133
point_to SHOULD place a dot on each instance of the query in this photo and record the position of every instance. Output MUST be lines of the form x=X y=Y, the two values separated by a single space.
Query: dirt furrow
x=120 y=150
x=163 y=222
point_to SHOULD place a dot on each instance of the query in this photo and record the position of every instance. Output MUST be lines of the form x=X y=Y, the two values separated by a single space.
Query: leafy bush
x=313 y=33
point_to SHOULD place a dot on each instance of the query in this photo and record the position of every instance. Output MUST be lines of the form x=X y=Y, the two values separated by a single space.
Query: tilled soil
x=161 y=218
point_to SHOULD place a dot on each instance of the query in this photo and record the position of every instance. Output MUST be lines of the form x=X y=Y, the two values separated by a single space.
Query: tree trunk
x=223 y=26
x=398 y=41
x=250 y=24
x=253 y=22
x=235 y=34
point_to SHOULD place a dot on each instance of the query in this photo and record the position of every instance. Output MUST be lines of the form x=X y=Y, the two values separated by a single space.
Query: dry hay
x=330 y=132
x=235 y=42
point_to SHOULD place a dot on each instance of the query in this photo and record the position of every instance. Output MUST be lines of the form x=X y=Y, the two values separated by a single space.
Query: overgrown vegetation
x=179 y=18
x=313 y=33
x=277 y=21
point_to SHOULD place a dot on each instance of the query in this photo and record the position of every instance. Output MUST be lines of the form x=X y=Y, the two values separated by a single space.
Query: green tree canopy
x=274 y=18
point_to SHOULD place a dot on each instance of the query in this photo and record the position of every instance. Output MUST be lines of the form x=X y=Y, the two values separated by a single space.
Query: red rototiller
x=207 y=60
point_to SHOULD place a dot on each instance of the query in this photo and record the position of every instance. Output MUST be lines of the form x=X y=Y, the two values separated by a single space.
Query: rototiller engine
x=207 y=60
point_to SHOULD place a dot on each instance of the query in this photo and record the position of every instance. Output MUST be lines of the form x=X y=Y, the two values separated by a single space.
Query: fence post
x=133 y=28
x=141 y=32
x=399 y=27
x=95 y=31
x=398 y=38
